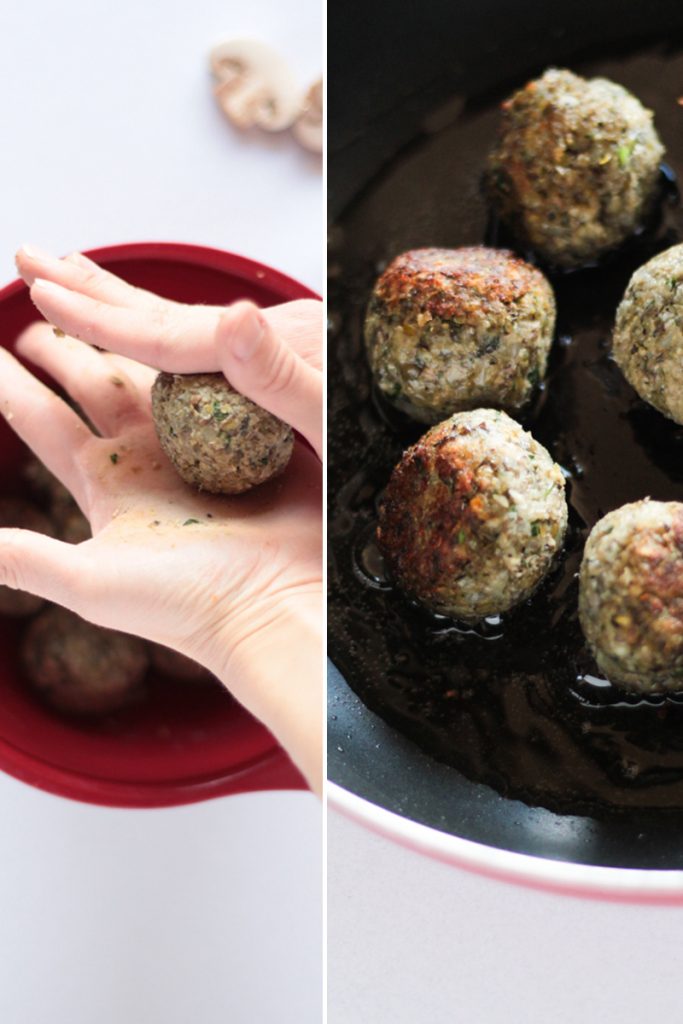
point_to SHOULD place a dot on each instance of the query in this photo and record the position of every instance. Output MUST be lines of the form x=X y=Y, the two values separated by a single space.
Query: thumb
x=41 y=565
x=260 y=365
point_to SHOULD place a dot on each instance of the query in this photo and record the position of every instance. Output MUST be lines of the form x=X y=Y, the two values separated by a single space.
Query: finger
x=81 y=274
x=105 y=393
x=172 y=337
x=41 y=565
x=300 y=324
x=262 y=367
x=49 y=427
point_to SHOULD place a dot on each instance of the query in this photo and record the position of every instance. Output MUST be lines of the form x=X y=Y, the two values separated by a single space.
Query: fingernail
x=46 y=286
x=248 y=338
x=34 y=253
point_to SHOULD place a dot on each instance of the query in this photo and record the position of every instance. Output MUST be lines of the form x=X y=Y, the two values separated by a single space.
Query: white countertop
x=415 y=941
x=211 y=912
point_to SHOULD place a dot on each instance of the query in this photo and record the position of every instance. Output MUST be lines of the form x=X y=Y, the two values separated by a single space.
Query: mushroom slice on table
x=254 y=85
x=308 y=128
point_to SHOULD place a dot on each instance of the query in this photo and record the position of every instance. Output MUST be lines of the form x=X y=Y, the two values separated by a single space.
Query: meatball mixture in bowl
x=648 y=336
x=18 y=513
x=454 y=329
x=473 y=516
x=631 y=595
x=81 y=668
x=575 y=170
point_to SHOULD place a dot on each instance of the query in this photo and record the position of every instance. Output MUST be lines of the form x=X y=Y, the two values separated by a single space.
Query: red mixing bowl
x=186 y=742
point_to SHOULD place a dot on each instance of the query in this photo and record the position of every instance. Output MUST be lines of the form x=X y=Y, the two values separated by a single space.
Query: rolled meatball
x=15 y=512
x=648 y=335
x=81 y=668
x=575 y=170
x=473 y=516
x=218 y=440
x=631 y=595
x=454 y=329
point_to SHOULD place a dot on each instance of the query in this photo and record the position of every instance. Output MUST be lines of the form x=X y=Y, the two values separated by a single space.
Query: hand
x=273 y=356
x=234 y=583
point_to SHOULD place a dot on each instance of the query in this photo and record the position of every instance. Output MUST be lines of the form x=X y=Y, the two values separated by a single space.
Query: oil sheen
x=517 y=701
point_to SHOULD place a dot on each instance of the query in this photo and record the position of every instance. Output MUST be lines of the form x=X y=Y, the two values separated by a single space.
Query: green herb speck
x=625 y=152
x=535 y=529
x=190 y=522
x=58 y=332
x=218 y=413
x=461 y=537
x=114 y=458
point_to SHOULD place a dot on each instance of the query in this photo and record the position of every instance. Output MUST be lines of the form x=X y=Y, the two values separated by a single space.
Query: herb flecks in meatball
x=473 y=516
x=218 y=440
x=631 y=595
x=575 y=171
x=454 y=329
x=648 y=335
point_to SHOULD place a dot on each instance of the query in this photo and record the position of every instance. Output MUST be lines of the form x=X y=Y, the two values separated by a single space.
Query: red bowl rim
x=271 y=770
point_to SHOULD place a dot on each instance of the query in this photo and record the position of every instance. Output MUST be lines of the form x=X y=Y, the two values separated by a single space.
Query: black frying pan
x=399 y=78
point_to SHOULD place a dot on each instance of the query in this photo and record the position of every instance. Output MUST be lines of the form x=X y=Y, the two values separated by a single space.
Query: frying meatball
x=648 y=336
x=575 y=170
x=218 y=440
x=81 y=668
x=473 y=516
x=15 y=512
x=171 y=663
x=631 y=595
x=454 y=329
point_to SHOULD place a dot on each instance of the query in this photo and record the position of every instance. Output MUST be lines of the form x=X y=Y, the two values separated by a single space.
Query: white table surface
x=109 y=133
x=415 y=941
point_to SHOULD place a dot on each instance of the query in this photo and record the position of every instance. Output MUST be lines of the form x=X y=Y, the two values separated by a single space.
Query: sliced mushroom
x=308 y=129
x=254 y=85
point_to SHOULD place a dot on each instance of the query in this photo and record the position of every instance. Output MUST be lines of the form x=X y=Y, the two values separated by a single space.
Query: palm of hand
x=196 y=572
x=165 y=554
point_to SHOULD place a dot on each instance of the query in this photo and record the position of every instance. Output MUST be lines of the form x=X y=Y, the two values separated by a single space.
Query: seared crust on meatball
x=631 y=595
x=648 y=335
x=15 y=512
x=575 y=170
x=218 y=440
x=454 y=329
x=82 y=668
x=473 y=516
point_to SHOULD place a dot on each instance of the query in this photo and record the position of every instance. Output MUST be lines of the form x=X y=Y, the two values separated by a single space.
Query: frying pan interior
x=391 y=67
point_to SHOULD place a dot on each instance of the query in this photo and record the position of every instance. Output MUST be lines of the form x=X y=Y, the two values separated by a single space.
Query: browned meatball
x=631 y=595
x=454 y=329
x=473 y=516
